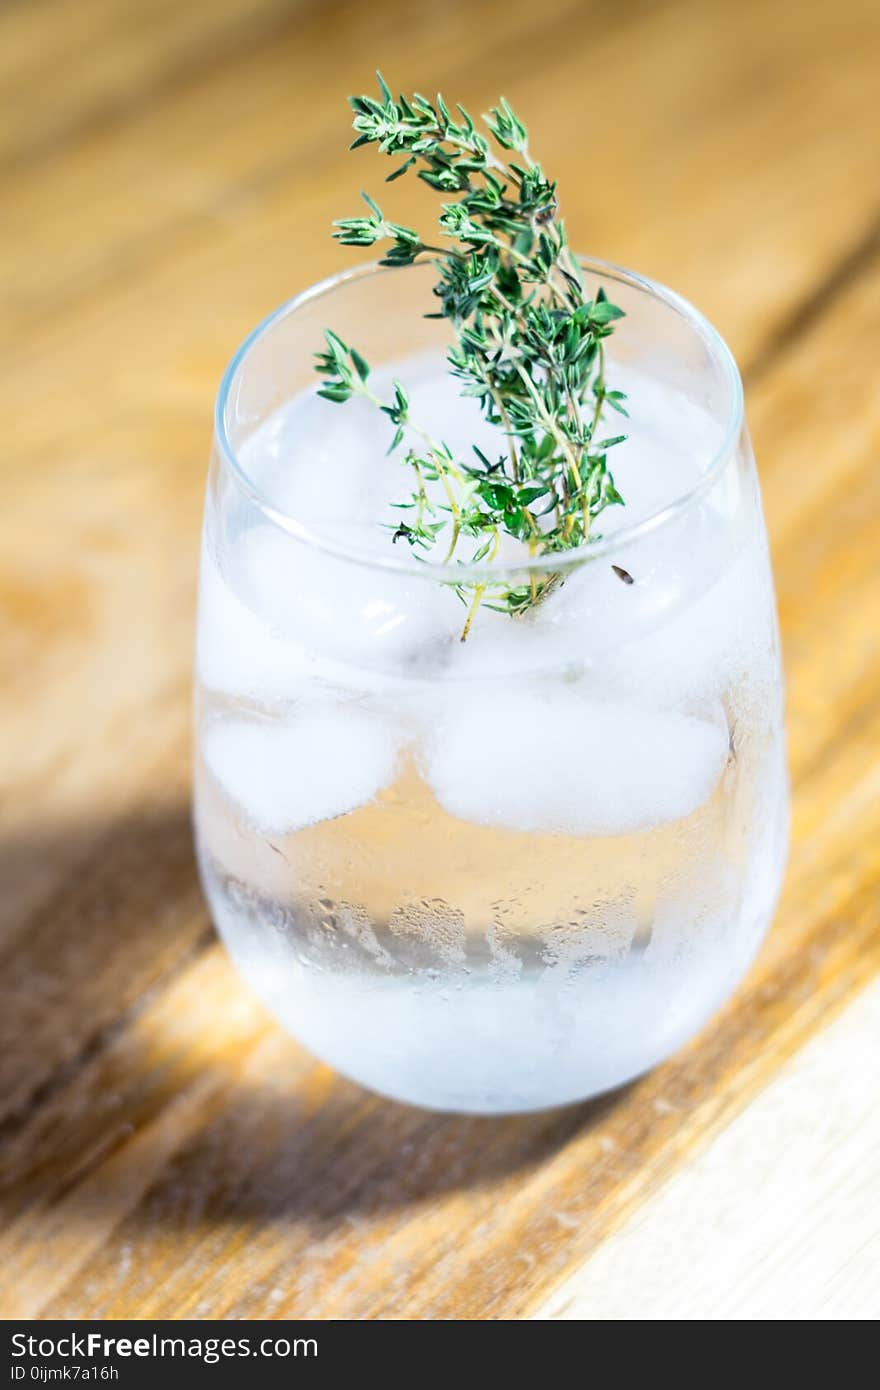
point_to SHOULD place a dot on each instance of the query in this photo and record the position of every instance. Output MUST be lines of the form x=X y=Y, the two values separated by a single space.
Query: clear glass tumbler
x=516 y=871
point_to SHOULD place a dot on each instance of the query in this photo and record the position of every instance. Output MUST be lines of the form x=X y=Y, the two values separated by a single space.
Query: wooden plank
x=776 y=1221
x=81 y=64
x=239 y=1223
x=186 y=166
x=249 y=139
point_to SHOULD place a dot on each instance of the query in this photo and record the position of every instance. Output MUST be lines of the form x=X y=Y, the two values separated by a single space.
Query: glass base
x=463 y=1042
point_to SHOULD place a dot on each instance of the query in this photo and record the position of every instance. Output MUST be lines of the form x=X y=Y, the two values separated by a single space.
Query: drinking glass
x=515 y=871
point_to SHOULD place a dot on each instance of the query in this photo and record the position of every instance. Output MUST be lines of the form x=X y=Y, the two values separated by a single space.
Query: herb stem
x=550 y=425
x=529 y=344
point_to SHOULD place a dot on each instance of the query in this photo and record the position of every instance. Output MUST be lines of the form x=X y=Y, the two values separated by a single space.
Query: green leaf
x=397 y=173
x=530 y=492
x=605 y=312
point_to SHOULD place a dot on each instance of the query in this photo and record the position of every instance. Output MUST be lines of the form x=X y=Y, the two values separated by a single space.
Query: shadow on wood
x=138 y=1075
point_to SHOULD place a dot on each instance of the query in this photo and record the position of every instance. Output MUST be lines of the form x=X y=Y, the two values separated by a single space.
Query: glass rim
x=478 y=571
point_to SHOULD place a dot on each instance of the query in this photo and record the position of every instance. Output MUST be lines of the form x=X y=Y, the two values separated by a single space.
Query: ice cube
x=327 y=465
x=237 y=652
x=319 y=763
x=324 y=464
x=670 y=441
x=598 y=606
x=552 y=759
x=499 y=646
x=709 y=644
x=440 y=408
x=359 y=615
x=321 y=463
x=594 y=611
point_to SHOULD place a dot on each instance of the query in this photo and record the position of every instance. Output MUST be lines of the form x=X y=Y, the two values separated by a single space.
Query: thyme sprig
x=529 y=346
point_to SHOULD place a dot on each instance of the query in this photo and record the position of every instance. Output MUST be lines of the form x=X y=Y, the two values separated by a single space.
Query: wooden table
x=168 y=175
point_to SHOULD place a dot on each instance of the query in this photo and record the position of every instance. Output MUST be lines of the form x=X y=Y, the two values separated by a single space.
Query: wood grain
x=797 y=1238
x=167 y=174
